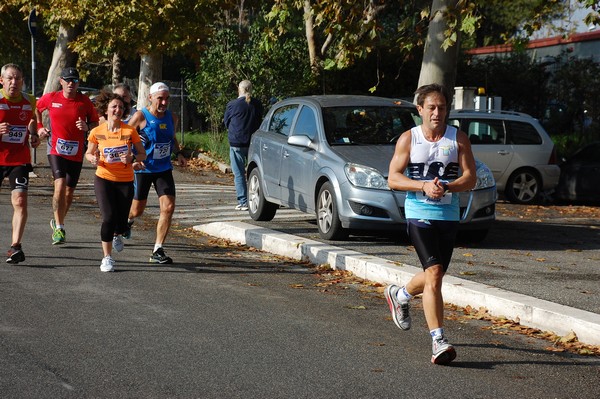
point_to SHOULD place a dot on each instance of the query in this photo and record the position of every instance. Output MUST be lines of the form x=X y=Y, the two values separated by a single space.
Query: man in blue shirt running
x=156 y=125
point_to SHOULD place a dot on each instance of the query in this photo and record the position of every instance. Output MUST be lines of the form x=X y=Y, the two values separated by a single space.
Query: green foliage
x=279 y=71
x=214 y=144
x=575 y=85
x=563 y=95
x=519 y=82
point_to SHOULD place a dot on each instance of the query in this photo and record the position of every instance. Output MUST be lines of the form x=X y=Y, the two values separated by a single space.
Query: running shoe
x=241 y=207
x=443 y=352
x=58 y=237
x=52 y=224
x=127 y=233
x=15 y=254
x=117 y=243
x=399 y=309
x=108 y=264
x=159 y=256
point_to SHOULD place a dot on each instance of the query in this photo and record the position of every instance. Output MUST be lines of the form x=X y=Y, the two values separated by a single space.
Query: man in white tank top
x=432 y=154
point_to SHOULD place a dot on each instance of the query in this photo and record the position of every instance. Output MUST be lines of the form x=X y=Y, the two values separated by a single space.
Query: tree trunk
x=314 y=56
x=439 y=66
x=150 y=72
x=62 y=57
x=117 y=69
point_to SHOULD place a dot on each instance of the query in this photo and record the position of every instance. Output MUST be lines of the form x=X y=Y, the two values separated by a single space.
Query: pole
x=32 y=23
x=181 y=119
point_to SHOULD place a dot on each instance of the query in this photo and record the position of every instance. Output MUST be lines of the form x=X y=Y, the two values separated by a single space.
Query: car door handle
x=265 y=147
x=286 y=154
x=503 y=152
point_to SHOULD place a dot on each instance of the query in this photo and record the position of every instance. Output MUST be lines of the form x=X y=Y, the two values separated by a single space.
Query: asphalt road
x=226 y=322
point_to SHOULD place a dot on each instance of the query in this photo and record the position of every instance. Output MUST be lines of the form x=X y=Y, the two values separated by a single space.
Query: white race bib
x=445 y=200
x=113 y=154
x=161 y=150
x=15 y=135
x=67 y=147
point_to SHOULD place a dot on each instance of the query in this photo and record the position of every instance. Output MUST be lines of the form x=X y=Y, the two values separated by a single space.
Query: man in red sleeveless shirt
x=72 y=115
x=17 y=128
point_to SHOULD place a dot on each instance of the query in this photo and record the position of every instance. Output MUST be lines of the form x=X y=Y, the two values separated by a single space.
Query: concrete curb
x=531 y=312
x=222 y=167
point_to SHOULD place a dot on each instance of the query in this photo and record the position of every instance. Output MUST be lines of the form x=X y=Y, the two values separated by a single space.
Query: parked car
x=580 y=176
x=515 y=147
x=329 y=155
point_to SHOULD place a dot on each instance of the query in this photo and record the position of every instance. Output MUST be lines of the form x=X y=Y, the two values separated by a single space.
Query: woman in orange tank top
x=110 y=151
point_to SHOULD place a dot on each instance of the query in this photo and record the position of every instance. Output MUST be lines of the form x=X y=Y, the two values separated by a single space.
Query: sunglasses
x=71 y=80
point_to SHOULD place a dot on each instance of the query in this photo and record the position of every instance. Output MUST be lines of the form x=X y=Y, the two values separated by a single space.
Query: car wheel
x=259 y=208
x=330 y=226
x=523 y=187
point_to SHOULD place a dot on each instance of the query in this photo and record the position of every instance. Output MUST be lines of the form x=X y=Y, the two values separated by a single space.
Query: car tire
x=258 y=207
x=523 y=187
x=328 y=221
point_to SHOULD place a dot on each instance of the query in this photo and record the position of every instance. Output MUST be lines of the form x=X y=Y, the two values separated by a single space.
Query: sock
x=130 y=221
x=60 y=226
x=437 y=333
x=403 y=295
x=156 y=246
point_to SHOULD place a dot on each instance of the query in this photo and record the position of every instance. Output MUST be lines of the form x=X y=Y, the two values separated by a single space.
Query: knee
x=20 y=202
x=168 y=207
x=433 y=277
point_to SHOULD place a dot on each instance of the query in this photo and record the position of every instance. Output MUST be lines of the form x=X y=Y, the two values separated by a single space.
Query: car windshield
x=367 y=125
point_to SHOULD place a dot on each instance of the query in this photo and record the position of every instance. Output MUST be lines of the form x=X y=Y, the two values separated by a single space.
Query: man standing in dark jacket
x=242 y=118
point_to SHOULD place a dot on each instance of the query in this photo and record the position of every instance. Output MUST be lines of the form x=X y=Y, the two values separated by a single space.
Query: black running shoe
x=159 y=256
x=15 y=254
x=127 y=233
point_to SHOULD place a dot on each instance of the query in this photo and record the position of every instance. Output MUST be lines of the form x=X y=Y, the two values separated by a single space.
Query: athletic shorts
x=163 y=184
x=18 y=176
x=433 y=240
x=65 y=168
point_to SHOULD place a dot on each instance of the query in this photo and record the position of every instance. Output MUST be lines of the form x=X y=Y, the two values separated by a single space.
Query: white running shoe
x=443 y=352
x=400 y=310
x=108 y=264
x=118 y=243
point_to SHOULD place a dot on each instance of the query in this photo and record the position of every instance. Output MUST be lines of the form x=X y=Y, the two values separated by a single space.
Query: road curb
x=528 y=311
x=224 y=168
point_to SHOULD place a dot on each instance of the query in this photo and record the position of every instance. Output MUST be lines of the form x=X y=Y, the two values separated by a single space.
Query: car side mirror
x=301 y=140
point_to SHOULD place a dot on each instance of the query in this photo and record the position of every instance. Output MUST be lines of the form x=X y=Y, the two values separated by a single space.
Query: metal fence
x=186 y=110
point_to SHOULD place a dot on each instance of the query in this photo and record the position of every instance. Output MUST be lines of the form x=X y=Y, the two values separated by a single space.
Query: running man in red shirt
x=72 y=116
x=17 y=129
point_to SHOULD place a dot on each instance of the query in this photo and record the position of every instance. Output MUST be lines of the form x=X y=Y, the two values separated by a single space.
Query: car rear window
x=481 y=131
x=522 y=133
x=367 y=125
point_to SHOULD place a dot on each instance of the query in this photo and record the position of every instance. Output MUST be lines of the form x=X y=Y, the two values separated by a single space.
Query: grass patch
x=215 y=145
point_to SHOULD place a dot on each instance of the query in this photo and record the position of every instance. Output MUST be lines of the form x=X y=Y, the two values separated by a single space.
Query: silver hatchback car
x=329 y=155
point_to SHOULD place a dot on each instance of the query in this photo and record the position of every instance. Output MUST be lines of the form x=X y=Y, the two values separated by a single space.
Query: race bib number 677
x=67 y=147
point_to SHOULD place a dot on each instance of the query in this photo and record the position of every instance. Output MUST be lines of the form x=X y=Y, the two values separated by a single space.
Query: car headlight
x=485 y=178
x=363 y=176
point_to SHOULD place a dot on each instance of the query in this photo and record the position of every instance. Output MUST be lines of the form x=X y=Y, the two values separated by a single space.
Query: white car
x=517 y=149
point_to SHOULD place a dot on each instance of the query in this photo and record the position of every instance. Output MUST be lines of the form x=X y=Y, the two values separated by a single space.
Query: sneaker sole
x=390 y=301
x=445 y=357
x=161 y=262
x=14 y=261
x=58 y=242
